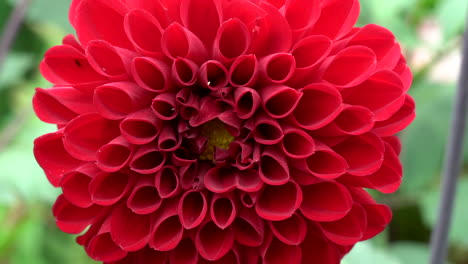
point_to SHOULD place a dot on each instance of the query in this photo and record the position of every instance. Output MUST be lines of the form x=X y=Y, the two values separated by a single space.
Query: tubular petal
x=273 y=167
x=184 y=253
x=232 y=40
x=140 y=127
x=349 y=229
x=184 y=71
x=75 y=185
x=167 y=230
x=121 y=219
x=244 y=71
x=192 y=209
x=223 y=210
x=291 y=231
x=72 y=219
x=108 y=60
x=144 y=198
x=151 y=74
x=138 y=23
x=114 y=155
x=277 y=203
x=297 y=143
x=167 y=182
x=178 y=41
x=108 y=188
x=213 y=242
x=279 y=101
x=147 y=159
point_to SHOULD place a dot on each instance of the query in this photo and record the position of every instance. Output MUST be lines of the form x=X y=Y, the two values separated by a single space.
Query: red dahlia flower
x=222 y=131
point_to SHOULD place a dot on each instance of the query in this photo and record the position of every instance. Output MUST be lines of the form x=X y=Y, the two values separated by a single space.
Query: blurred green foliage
x=28 y=234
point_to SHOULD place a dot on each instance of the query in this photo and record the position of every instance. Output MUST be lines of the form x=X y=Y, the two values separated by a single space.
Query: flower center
x=217 y=135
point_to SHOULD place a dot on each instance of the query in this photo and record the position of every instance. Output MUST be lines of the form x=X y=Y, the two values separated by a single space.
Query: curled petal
x=246 y=101
x=272 y=33
x=151 y=74
x=249 y=229
x=364 y=154
x=273 y=167
x=138 y=23
x=76 y=182
x=184 y=71
x=167 y=230
x=223 y=210
x=302 y=14
x=146 y=255
x=246 y=11
x=167 y=182
x=404 y=72
x=185 y=253
x=324 y=250
x=326 y=163
x=277 y=203
x=213 y=75
x=337 y=18
x=308 y=54
x=72 y=219
x=213 y=242
x=326 y=201
x=181 y=157
x=248 y=199
x=65 y=64
x=203 y=18
x=108 y=60
x=122 y=218
x=291 y=231
x=231 y=257
x=53 y=158
x=210 y=108
x=349 y=229
x=221 y=180
x=164 y=106
x=232 y=40
x=192 y=209
x=86 y=134
x=394 y=142
x=144 y=198
x=169 y=139
x=359 y=62
x=147 y=159
x=101 y=247
x=114 y=155
x=108 y=188
x=297 y=143
x=117 y=100
x=398 y=121
x=276 y=252
x=279 y=101
x=277 y=68
x=267 y=130
x=59 y=105
x=177 y=41
x=157 y=8
x=140 y=127
x=93 y=19
x=319 y=105
x=383 y=94
x=353 y=120
x=244 y=71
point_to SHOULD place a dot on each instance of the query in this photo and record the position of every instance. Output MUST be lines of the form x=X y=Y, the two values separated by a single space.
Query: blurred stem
x=452 y=163
x=11 y=29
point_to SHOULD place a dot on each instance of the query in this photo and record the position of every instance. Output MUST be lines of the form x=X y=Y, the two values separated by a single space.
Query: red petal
x=247 y=101
x=267 y=130
x=223 y=210
x=169 y=139
x=243 y=71
x=349 y=229
x=72 y=219
x=212 y=242
x=86 y=134
x=177 y=41
x=167 y=182
x=213 y=75
x=167 y=230
x=184 y=253
x=279 y=202
x=155 y=8
x=279 y=101
x=297 y=143
x=192 y=209
x=249 y=229
x=121 y=219
x=291 y=231
x=75 y=185
x=184 y=71
x=108 y=188
x=302 y=14
x=277 y=68
x=398 y=121
x=138 y=23
x=140 y=127
x=102 y=248
x=326 y=201
x=108 y=60
x=147 y=159
x=93 y=19
x=144 y=198
x=318 y=106
x=232 y=41
x=114 y=155
x=202 y=17
x=53 y=158
x=337 y=18
x=273 y=167
x=151 y=74
x=276 y=252
x=117 y=100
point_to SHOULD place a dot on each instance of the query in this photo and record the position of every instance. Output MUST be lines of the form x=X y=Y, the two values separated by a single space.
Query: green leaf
x=366 y=253
x=14 y=69
x=424 y=140
x=430 y=207
x=452 y=15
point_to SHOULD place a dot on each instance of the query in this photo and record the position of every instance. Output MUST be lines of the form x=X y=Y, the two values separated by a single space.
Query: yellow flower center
x=217 y=135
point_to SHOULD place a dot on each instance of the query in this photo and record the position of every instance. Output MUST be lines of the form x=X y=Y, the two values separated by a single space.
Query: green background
x=430 y=33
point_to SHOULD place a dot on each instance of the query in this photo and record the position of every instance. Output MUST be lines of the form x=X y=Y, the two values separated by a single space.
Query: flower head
x=222 y=131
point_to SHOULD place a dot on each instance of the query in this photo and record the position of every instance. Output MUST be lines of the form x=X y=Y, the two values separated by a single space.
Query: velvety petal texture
x=222 y=131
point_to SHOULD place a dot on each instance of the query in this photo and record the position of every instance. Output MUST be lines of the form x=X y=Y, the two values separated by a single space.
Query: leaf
x=452 y=14
x=366 y=253
x=430 y=207
x=424 y=140
x=14 y=69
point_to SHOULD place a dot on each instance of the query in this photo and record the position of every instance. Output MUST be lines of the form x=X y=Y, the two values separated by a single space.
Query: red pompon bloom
x=222 y=131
